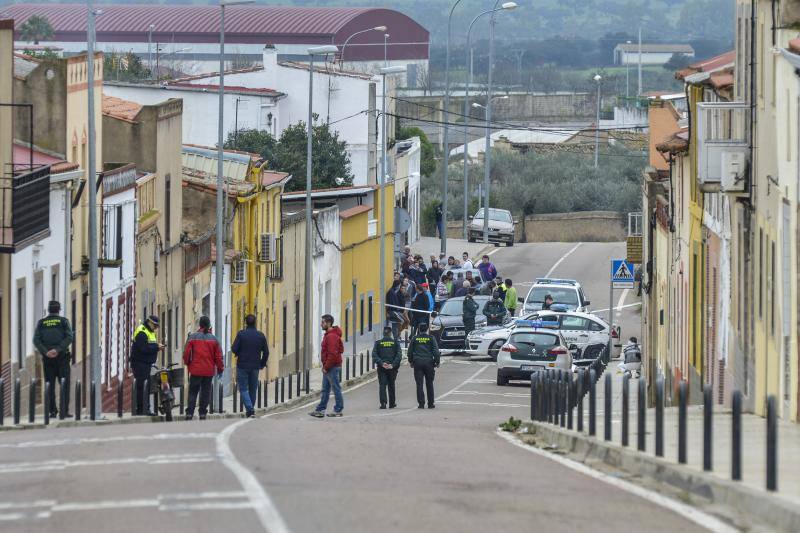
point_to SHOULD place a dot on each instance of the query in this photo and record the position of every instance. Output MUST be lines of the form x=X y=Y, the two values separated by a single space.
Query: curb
x=367 y=376
x=773 y=510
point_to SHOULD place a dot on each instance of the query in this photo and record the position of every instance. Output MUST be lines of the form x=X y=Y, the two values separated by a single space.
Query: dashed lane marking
x=492 y=404
x=690 y=513
x=503 y=394
x=59 y=464
x=102 y=440
x=493 y=252
x=555 y=265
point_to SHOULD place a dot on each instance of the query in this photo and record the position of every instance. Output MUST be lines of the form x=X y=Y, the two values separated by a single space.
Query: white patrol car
x=529 y=349
x=587 y=332
x=566 y=292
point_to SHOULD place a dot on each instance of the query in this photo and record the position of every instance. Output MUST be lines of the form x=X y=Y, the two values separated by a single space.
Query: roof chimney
x=270 y=67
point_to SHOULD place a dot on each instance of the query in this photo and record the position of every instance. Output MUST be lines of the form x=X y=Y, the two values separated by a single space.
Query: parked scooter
x=631 y=358
x=163 y=382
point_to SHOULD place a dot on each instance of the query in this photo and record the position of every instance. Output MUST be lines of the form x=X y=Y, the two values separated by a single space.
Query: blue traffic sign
x=622 y=274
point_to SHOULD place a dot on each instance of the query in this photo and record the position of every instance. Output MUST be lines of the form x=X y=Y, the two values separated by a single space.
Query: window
x=54 y=284
x=21 y=319
x=595 y=326
x=38 y=295
x=574 y=323
x=118 y=234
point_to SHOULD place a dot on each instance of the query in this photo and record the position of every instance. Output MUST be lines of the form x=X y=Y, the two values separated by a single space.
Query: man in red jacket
x=332 y=350
x=203 y=358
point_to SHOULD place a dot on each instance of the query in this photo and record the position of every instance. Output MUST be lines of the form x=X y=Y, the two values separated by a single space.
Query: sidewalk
x=427 y=246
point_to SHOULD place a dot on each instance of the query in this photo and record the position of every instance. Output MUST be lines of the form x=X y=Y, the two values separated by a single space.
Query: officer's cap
x=153 y=319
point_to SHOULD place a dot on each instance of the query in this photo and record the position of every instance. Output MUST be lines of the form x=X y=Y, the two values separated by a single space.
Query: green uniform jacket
x=494 y=311
x=423 y=347
x=469 y=309
x=53 y=332
x=387 y=350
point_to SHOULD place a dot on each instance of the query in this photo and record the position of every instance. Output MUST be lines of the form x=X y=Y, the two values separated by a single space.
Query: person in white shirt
x=466 y=264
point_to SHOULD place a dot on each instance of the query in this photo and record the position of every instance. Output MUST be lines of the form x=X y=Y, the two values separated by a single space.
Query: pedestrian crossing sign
x=621 y=274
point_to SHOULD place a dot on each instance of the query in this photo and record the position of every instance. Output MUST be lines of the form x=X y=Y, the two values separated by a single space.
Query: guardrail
x=556 y=393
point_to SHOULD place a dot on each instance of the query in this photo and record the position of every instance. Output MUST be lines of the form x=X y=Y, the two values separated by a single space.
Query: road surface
x=405 y=469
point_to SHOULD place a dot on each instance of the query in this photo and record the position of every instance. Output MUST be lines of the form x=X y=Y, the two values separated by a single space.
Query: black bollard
x=347 y=369
x=92 y=410
x=290 y=386
x=120 y=392
x=297 y=379
x=533 y=396
x=772 y=444
x=570 y=400
x=276 y=387
x=607 y=409
x=2 y=401
x=237 y=406
x=361 y=365
x=542 y=395
x=78 y=406
x=182 y=405
x=62 y=399
x=133 y=397
x=708 y=428
x=308 y=378
x=641 y=425
x=580 y=387
x=32 y=400
x=592 y=402
x=659 y=417
x=17 y=402
x=562 y=387
x=626 y=385
x=550 y=396
x=736 y=436
x=46 y=404
x=258 y=395
x=283 y=383
x=682 y=399
x=220 y=392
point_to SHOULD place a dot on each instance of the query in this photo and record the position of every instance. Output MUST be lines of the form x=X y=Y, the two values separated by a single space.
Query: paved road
x=398 y=470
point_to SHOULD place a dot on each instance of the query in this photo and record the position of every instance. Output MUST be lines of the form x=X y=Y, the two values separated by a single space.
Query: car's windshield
x=567 y=296
x=455 y=306
x=496 y=214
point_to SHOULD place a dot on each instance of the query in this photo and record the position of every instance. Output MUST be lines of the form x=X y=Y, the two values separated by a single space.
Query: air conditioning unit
x=266 y=248
x=240 y=271
x=734 y=171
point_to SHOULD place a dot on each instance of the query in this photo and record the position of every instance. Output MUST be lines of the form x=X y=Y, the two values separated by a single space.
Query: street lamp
x=149 y=48
x=313 y=52
x=507 y=7
x=386 y=50
x=376 y=28
x=446 y=118
x=385 y=71
x=597 y=78
x=476 y=105
x=487 y=158
x=218 y=280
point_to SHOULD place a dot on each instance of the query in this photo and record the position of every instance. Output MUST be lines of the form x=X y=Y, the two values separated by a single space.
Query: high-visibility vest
x=151 y=335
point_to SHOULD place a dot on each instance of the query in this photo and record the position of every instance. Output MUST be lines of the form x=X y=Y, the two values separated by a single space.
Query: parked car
x=566 y=292
x=589 y=333
x=530 y=350
x=460 y=274
x=447 y=326
x=486 y=341
x=501 y=227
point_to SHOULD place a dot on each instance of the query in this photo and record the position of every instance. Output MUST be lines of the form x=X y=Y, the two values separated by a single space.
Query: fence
x=556 y=394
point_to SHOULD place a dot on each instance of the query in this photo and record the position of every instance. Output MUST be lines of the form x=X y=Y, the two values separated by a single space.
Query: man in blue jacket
x=250 y=348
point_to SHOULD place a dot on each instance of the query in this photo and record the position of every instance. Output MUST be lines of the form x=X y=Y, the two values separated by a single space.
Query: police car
x=531 y=347
x=566 y=292
x=486 y=341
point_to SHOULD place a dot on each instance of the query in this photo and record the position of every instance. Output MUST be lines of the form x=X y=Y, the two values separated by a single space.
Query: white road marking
x=493 y=252
x=59 y=464
x=597 y=311
x=555 y=265
x=494 y=404
x=621 y=301
x=266 y=511
x=482 y=380
x=93 y=440
x=503 y=394
x=460 y=362
x=697 y=516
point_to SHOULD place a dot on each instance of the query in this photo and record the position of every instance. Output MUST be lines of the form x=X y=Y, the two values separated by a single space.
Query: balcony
x=25 y=202
x=723 y=146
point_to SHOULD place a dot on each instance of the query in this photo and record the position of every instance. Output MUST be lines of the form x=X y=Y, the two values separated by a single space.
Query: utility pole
x=446 y=139
x=640 y=62
x=91 y=178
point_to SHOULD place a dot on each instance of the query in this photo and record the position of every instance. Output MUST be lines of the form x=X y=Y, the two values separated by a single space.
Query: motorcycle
x=162 y=383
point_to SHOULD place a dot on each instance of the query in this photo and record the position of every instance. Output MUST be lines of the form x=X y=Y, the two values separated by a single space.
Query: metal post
x=562 y=396
x=346 y=369
x=625 y=407
x=445 y=133
x=772 y=445
x=182 y=404
x=533 y=397
x=2 y=401
x=487 y=154
x=150 y=50
x=17 y=402
x=383 y=207
x=607 y=408
x=290 y=386
x=308 y=379
x=736 y=437
x=220 y=228
x=213 y=400
x=597 y=125
x=276 y=387
x=355 y=328
x=361 y=364
x=32 y=400
x=120 y=391
x=62 y=399
x=78 y=406
x=659 y=417
x=580 y=385
x=283 y=387
x=220 y=408
x=708 y=435
x=93 y=401
x=641 y=414
x=639 y=93
x=235 y=389
x=592 y=402
x=611 y=302
x=570 y=399
x=682 y=422
x=46 y=403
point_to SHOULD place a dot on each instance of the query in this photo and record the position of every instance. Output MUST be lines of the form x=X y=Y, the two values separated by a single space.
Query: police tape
x=410 y=309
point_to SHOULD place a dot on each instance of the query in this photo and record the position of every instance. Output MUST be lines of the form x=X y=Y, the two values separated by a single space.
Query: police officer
x=52 y=339
x=387 y=355
x=423 y=356
x=144 y=354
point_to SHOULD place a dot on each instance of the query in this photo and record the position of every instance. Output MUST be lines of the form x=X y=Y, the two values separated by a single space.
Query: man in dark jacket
x=434 y=274
x=394 y=300
x=469 y=308
x=423 y=356
x=387 y=356
x=494 y=310
x=203 y=358
x=420 y=305
x=52 y=339
x=331 y=355
x=144 y=354
x=250 y=348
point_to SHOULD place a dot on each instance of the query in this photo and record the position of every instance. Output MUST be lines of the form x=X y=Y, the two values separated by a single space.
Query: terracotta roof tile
x=709 y=65
x=353 y=211
x=270 y=177
x=121 y=109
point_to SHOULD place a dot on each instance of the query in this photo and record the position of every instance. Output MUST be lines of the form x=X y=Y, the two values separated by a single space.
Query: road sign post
x=621 y=278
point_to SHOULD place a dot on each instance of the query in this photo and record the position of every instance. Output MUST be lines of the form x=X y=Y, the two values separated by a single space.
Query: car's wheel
x=501 y=380
x=510 y=243
x=494 y=349
x=470 y=238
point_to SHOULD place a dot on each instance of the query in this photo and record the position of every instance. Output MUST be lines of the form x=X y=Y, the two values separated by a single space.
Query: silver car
x=501 y=227
x=530 y=350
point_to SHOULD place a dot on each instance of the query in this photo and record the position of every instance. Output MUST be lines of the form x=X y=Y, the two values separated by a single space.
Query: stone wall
x=581 y=226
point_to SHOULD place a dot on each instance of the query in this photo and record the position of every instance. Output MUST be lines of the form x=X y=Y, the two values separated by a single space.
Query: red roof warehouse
x=244 y=25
